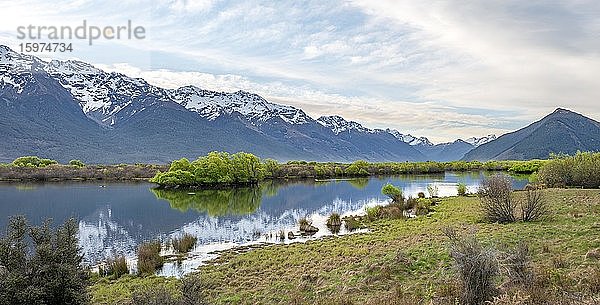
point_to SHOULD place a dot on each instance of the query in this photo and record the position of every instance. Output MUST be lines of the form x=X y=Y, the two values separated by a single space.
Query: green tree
x=50 y=274
x=392 y=192
x=32 y=161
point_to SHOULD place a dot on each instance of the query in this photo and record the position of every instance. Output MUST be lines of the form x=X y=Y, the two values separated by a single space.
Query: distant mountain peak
x=409 y=139
x=338 y=124
x=562 y=111
x=5 y=49
x=562 y=131
x=480 y=141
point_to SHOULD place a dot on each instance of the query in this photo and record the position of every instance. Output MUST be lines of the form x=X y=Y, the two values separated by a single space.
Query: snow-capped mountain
x=410 y=139
x=480 y=141
x=338 y=124
x=124 y=116
x=212 y=104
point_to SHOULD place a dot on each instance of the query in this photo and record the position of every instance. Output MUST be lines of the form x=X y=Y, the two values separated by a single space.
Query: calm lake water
x=114 y=218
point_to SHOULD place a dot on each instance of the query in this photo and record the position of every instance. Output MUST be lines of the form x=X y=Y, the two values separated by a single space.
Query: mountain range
x=72 y=110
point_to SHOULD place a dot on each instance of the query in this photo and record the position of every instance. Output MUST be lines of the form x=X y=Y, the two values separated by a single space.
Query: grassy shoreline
x=398 y=259
x=274 y=171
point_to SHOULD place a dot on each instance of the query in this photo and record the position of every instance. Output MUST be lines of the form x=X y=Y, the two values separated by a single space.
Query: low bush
x=423 y=207
x=433 y=190
x=461 y=188
x=41 y=265
x=373 y=212
x=116 y=267
x=185 y=243
x=477 y=267
x=534 y=207
x=149 y=259
x=496 y=199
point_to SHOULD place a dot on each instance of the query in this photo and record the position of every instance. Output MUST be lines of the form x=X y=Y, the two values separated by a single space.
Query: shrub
x=433 y=190
x=423 y=206
x=411 y=203
x=116 y=267
x=149 y=259
x=358 y=168
x=77 y=163
x=461 y=188
x=185 y=243
x=41 y=265
x=582 y=169
x=32 y=161
x=477 y=267
x=372 y=212
x=534 y=207
x=496 y=199
x=351 y=224
x=393 y=192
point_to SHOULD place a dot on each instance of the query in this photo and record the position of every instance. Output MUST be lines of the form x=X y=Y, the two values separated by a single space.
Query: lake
x=114 y=218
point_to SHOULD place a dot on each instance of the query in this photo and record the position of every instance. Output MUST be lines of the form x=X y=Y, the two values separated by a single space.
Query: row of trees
x=37 y=162
x=582 y=170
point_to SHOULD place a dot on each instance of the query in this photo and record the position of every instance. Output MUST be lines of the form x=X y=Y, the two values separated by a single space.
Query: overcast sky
x=441 y=69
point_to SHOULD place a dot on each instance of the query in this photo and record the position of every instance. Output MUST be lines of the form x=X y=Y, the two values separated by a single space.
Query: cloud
x=438 y=68
x=408 y=117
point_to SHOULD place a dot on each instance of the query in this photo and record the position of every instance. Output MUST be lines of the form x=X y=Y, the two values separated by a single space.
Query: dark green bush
x=50 y=274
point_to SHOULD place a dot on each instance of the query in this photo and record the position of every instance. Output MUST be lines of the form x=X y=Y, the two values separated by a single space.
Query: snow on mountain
x=338 y=124
x=480 y=141
x=212 y=104
x=16 y=68
x=409 y=139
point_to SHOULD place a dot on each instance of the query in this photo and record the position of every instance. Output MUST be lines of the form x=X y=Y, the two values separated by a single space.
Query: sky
x=440 y=69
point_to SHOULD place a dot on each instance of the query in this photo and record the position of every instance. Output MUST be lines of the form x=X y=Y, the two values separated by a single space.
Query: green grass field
x=399 y=261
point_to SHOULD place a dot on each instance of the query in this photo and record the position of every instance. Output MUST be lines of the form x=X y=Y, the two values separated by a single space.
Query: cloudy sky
x=441 y=69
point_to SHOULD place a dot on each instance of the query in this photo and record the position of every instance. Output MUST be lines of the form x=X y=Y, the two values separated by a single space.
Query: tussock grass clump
x=190 y=292
x=185 y=243
x=518 y=265
x=116 y=267
x=334 y=220
x=149 y=259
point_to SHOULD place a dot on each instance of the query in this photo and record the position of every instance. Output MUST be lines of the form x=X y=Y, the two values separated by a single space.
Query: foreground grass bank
x=404 y=261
